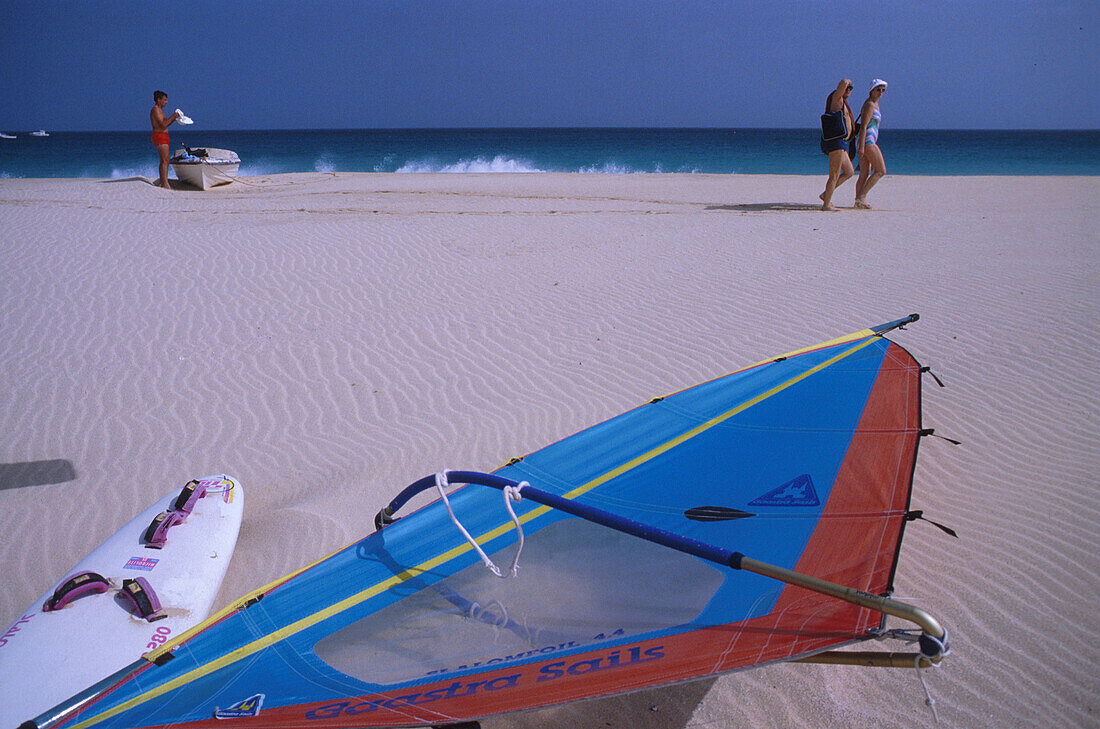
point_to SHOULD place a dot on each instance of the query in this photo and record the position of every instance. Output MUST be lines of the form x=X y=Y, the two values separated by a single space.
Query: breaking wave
x=500 y=163
x=325 y=164
x=505 y=164
x=118 y=173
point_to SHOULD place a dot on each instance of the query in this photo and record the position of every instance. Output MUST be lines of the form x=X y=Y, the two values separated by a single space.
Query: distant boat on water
x=6 y=136
x=40 y=133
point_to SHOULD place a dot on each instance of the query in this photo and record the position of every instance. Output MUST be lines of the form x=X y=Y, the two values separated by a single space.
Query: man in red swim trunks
x=160 y=132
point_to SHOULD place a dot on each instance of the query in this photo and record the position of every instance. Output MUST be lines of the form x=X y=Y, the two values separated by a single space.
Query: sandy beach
x=328 y=339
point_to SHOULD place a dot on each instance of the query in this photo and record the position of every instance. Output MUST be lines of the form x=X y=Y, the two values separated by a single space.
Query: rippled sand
x=329 y=339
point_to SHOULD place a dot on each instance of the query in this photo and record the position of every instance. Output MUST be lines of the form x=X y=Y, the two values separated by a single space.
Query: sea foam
x=609 y=168
x=119 y=173
x=500 y=163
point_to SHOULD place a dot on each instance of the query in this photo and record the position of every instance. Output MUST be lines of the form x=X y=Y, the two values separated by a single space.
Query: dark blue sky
x=374 y=63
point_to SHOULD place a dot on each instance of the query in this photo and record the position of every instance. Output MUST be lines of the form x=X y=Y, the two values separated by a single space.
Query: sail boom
x=872 y=659
x=728 y=558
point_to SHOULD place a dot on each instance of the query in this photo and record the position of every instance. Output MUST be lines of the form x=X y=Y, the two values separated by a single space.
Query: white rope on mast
x=931 y=702
x=511 y=493
x=911 y=636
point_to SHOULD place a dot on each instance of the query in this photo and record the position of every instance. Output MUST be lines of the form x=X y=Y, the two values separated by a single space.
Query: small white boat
x=205 y=167
x=40 y=133
x=6 y=136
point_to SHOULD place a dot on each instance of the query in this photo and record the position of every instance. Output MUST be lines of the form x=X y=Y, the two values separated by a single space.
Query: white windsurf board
x=48 y=656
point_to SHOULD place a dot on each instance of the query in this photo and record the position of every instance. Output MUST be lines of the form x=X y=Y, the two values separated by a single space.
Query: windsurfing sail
x=750 y=519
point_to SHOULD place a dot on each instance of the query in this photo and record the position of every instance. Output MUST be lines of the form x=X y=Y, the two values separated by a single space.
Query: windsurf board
x=154 y=579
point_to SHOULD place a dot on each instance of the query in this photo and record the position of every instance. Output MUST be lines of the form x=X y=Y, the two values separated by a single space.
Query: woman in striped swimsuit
x=872 y=167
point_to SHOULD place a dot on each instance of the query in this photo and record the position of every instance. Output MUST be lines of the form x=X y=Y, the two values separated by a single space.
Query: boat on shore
x=205 y=167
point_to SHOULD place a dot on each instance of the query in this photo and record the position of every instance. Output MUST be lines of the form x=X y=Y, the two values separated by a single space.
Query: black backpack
x=833 y=123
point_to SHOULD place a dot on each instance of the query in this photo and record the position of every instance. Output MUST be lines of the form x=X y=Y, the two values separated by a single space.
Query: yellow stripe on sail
x=831 y=343
x=310 y=620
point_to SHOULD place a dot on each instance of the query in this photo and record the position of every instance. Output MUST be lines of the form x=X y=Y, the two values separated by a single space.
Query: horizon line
x=559 y=128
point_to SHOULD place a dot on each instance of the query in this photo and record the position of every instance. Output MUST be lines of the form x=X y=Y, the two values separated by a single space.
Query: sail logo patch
x=145 y=564
x=799 y=491
x=241 y=709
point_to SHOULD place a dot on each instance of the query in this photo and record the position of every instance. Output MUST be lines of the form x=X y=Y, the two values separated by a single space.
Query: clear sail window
x=578 y=583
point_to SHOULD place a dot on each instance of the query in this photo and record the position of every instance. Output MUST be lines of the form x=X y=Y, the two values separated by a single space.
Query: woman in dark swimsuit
x=840 y=165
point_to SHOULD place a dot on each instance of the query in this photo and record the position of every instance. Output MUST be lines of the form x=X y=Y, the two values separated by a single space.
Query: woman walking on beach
x=872 y=167
x=837 y=124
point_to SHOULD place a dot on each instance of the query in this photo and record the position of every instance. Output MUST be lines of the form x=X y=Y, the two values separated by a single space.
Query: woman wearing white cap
x=872 y=167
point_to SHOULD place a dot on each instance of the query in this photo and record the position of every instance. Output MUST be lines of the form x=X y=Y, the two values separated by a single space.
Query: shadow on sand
x=35 y=473
x=665 y=707
x=773 y=207
x=172 y=183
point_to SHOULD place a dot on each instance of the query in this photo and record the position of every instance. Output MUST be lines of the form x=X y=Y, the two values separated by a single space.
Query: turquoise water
x=747 y=151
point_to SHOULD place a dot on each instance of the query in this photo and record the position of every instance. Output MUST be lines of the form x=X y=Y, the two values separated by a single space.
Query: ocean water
x=746 y=151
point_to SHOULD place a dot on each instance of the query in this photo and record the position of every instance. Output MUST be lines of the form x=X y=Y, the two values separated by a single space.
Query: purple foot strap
x=79 y=585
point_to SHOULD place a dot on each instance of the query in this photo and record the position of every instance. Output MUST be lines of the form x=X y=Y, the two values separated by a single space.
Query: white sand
x=328 y=339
